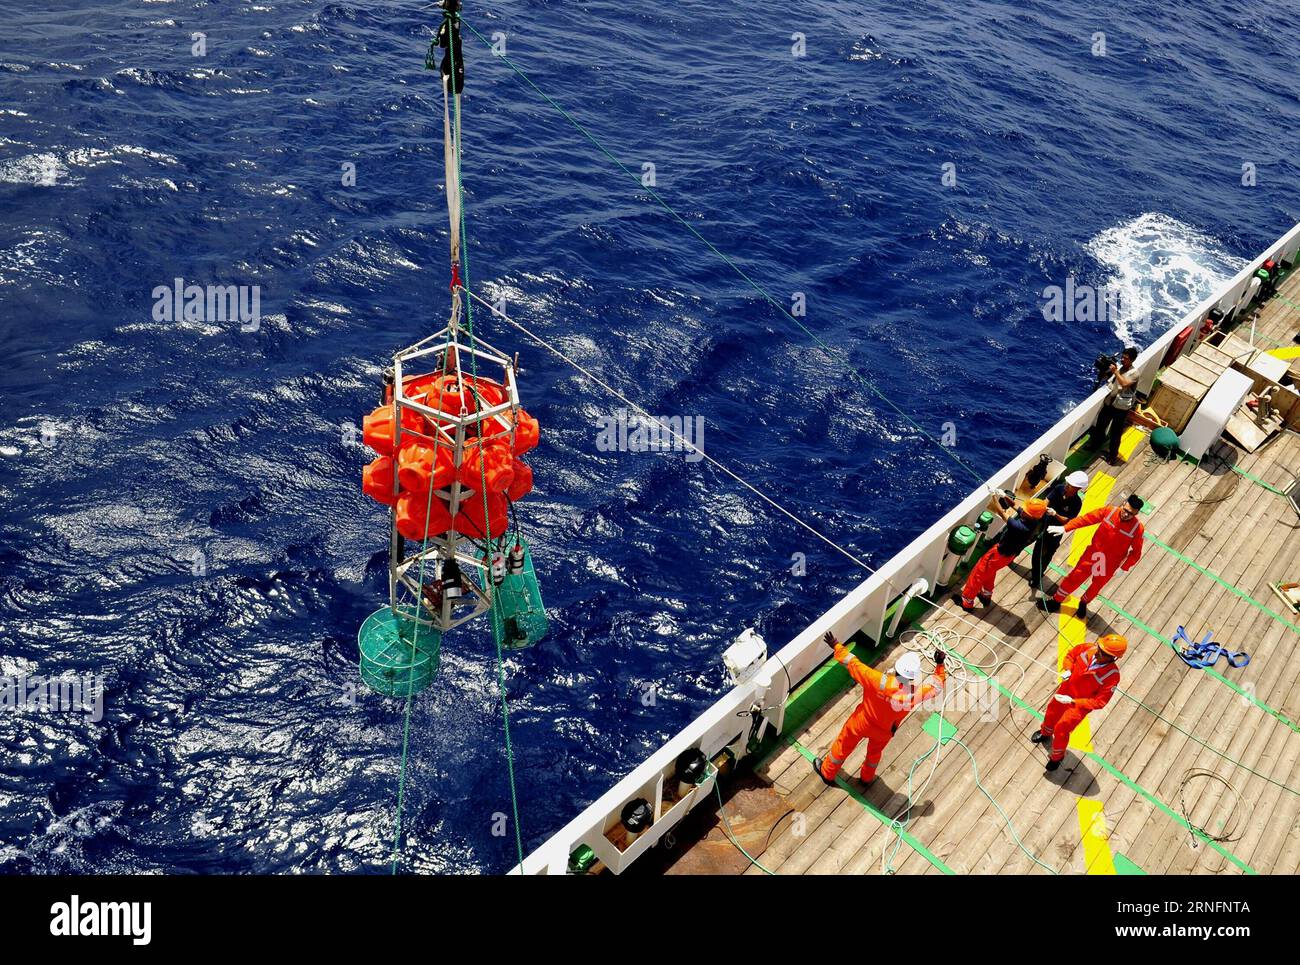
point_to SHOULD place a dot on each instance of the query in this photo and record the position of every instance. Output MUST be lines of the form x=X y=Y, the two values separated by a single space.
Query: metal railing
x=862 y=609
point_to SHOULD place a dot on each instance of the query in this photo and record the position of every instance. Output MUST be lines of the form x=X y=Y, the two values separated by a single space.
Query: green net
x=518 y=616
x=399 y=657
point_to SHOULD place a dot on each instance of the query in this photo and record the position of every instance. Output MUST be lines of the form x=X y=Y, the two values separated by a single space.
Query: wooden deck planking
x=955 y=821
x=1162 y=585
x=1065 y=836
x=1187 y=705
x=1278 y=321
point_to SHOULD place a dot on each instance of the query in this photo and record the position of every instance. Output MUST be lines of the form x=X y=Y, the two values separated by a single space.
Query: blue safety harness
x=1206 y=654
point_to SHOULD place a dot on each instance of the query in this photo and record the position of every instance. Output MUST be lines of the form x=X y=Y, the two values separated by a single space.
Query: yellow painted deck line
x=1097 y=856
x=1071 y=631
x=1128 y=442
x=1291 y=352
x=1094 y=497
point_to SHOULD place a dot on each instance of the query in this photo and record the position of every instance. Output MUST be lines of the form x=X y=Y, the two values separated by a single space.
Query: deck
x=1186 y=771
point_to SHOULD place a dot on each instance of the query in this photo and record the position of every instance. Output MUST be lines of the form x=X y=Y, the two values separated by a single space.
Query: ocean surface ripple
x=181 y=500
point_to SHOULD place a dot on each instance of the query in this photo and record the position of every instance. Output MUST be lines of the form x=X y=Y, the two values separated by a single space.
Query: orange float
x=418 y=465
x=526 y=429
x=377 y=480
x=489 y=461
x=448 y=393
x=489 y=466
x=377 y=428
x=411 y=518
x=522 y=482
x=527 y=432
x=469 y=521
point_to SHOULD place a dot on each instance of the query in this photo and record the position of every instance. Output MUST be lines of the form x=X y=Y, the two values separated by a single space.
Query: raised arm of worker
x=1087 y=519
x=1119 y=376
x=859 y=671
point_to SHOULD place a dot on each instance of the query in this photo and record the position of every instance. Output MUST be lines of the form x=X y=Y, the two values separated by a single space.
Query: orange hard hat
x=1035 y=508
x=1113 y=644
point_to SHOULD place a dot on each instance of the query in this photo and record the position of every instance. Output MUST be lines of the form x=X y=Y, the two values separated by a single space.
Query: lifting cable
x=960 y=617
x=451 y=92
x=836 y=356
x=453 y=20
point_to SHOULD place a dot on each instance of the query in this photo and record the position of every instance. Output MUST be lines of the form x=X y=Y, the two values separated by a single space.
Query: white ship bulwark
x=1181 y=756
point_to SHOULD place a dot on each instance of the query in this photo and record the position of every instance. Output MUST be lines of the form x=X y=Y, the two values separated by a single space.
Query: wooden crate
x=1184 y=384
x=1238 y=348
x=1205 y=365
x=1215 y=358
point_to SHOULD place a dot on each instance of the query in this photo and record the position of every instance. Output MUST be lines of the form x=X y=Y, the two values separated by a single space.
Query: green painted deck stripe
x=1125 y=779
x=1125 y=865
x=938 y=727
x=1120 y=775
x=1256 y=480
x=875 y=812
x=1223 y=583
x=1156 y=634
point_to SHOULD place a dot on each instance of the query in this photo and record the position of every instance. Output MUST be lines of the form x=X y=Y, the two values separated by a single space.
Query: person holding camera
x=1119 y=403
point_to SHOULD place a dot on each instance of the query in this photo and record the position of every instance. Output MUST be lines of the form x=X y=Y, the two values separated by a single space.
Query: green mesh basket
x=518 y=616
x=399 y=657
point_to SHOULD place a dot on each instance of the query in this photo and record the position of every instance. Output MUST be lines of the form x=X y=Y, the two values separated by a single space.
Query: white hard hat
x=1078 y=479
x=908 y=666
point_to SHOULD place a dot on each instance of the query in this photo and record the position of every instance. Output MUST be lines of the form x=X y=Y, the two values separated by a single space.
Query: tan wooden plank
x=958 y=820
x=1195 y=710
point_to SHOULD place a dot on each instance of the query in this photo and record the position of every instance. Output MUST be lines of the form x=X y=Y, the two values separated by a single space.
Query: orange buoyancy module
x=419 y=516
x=489 y=467
x=377 y=428
x=419 y=465
x=469 y=521
x=489 y=462
x=377 y=480
x=521 y=484
x=451 y=393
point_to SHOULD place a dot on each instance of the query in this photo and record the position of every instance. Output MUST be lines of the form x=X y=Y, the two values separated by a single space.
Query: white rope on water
x=669 y=429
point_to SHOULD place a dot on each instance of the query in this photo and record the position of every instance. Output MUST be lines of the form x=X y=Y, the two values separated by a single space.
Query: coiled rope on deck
x=836 y=356
x=963 y=618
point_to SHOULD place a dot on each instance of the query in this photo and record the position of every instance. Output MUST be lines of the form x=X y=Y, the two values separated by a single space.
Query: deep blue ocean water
x=130 y=448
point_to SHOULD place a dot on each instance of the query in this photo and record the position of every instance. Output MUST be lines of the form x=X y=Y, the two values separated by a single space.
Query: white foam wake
x=1160 y=268
x=38 y=170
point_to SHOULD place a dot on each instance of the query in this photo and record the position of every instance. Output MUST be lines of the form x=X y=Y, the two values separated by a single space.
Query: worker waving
x=1088 y=681
x=887 y=698
x=1117 y=545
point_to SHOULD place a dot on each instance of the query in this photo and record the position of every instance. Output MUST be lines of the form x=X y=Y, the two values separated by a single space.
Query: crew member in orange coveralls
x=1022 y=529
x=1088 y=682
x=886 y=700
x=1117 y=545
